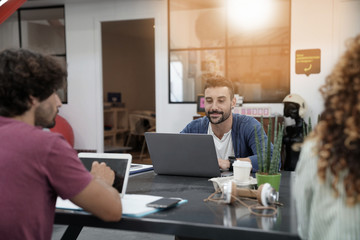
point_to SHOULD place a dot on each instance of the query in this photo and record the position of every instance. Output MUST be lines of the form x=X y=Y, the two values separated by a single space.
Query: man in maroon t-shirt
x=36 y=166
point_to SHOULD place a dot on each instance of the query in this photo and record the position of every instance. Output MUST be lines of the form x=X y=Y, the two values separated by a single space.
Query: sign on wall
x=307 y=61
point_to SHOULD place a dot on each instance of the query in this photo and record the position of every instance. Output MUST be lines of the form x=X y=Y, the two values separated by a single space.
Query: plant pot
x=273 y=180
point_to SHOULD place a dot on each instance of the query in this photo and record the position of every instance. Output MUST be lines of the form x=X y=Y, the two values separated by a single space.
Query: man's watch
x=231 y=159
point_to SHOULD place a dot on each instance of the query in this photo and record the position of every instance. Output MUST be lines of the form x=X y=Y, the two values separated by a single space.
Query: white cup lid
x=239 y=163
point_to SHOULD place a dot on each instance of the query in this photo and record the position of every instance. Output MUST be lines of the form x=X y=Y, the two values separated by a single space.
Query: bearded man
x=38 y=166
x=234 y=134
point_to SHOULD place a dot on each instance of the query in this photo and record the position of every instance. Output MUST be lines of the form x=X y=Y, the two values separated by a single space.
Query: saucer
x=250 y=181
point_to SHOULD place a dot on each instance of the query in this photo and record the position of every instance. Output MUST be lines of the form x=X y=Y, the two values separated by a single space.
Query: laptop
x=183 y=154
x=119 y=162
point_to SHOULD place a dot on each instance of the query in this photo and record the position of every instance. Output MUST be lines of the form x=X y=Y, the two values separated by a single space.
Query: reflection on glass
x=260 y=74
x=234 y=214
x=43 y=30
x=247 y=41
x=9 y=32
x=197 y=24
x=247 y=15
x=237 y=215
x=269 y=223
x=229 y=216
x=187 y=71
x=176 y=76
x=268 y=26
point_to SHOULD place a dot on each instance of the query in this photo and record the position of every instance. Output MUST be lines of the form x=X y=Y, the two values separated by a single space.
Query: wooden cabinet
x=266 y=124
x=116 y=125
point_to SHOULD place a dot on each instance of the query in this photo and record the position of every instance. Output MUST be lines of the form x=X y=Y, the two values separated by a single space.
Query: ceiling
x=46 y=3
x=175 y=4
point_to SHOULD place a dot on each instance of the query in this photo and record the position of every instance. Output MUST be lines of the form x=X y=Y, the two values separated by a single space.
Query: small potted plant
x=269 y=164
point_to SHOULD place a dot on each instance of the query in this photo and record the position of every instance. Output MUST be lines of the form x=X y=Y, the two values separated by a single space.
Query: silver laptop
x=119 y=162
x=183 y=154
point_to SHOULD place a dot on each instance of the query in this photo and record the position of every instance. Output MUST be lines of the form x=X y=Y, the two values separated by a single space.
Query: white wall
x=83 y=43
x=326 y=25
x=320 y=24
x=312 y=25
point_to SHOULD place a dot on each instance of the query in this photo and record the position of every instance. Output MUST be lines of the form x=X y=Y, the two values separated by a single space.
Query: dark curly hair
x=218 y=81
x=338 y=132
x=23 y=74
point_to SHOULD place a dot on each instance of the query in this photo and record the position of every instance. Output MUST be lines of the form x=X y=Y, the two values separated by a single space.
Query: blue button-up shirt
x=242 y=133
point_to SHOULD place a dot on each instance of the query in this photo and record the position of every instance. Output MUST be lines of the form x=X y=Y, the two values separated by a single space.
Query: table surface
x=196 y=218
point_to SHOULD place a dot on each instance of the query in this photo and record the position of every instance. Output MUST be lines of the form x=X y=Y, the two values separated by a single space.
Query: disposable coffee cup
x=241 y=171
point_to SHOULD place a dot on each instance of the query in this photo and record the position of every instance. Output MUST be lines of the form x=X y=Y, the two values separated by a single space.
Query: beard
x=224 y=116
x=44 y=119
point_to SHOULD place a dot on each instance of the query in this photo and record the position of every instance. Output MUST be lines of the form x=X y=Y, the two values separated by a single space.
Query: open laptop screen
x=183 y=154
x=119 y=163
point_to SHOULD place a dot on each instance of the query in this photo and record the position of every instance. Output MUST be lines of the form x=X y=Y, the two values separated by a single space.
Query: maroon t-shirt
x=36 y=166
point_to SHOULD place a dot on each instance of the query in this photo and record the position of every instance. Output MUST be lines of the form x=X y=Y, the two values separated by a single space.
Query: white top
x=320 y=214
x=224 y=146
x=242 y=164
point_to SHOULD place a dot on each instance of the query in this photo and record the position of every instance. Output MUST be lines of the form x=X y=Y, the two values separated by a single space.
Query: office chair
x=140 y=123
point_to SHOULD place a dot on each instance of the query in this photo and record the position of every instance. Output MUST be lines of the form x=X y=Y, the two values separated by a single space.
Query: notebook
x=183 y=154
x=119 y=162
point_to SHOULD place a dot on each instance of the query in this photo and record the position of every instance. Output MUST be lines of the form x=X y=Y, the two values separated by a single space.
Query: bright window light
x=249 y=14
x=176 y=76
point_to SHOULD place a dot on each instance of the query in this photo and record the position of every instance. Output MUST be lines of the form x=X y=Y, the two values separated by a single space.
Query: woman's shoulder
x=309 y=147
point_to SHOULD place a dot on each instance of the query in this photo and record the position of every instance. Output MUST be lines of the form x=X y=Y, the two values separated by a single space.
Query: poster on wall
x=307 y=61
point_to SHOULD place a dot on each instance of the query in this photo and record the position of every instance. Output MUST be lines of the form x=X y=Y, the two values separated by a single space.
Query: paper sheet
x=134 y=205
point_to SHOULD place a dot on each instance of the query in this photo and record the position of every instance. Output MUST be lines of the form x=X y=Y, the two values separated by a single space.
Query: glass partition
x=247 y=41
x=38 y=29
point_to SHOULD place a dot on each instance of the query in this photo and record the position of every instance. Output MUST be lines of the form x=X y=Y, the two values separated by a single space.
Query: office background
x=322 y=24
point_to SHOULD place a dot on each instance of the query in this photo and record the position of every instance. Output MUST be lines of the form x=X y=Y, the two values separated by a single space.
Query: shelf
x=118 y=121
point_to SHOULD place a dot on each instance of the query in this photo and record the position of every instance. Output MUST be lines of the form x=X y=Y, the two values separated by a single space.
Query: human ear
x=233 y=102
x=33 y=100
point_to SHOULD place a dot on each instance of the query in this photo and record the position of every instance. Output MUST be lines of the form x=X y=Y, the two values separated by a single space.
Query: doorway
x=128 y=62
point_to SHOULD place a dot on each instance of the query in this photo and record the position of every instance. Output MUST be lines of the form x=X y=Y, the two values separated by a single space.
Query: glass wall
x=38 y=29
x=247 y=41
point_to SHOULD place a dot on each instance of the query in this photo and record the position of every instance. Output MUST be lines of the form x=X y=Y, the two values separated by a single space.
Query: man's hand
x=99 y=197
x=103 y=172
x=245 y=160
x=224 y=163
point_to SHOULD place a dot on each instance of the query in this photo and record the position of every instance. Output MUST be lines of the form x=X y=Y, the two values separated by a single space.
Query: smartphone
x=164 y=203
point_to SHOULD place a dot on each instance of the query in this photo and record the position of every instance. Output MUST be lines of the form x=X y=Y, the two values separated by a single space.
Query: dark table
x=196 y=218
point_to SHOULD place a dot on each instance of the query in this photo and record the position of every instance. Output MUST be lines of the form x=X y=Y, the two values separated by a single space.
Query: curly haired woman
x=327 y=182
